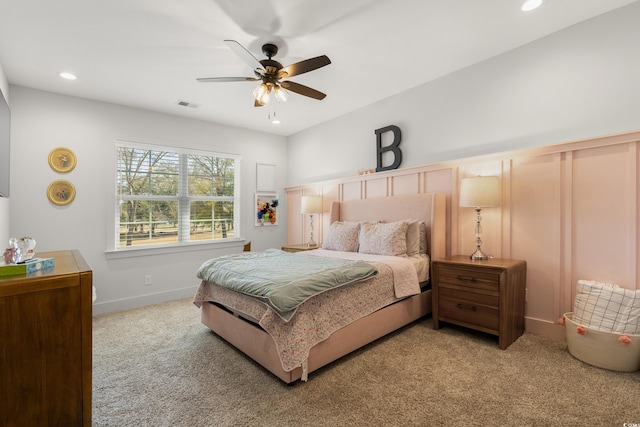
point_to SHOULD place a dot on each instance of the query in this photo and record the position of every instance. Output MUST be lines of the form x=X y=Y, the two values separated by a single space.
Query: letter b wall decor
x=393 y=147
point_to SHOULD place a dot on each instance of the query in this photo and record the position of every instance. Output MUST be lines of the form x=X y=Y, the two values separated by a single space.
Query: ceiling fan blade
x=303 y=90
x=227 y=79
x=244 y=54
x=304 y=66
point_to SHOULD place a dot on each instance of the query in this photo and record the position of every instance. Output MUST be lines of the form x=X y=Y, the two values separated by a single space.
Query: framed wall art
x=62 y=160
x=266 y=210
x=61 y=192
x=265 y=178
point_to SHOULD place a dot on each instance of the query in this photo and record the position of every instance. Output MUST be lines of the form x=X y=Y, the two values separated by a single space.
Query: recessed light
x=530 y=5
x=68 y=76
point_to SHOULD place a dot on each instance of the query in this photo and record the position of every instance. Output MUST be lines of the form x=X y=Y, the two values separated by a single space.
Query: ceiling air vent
x=187 y=104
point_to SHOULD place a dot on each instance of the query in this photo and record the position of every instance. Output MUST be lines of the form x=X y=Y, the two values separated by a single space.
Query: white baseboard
x=143 y=300
x=545 y=328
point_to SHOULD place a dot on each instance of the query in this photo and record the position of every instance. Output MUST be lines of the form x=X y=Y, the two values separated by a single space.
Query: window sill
x=176 y=248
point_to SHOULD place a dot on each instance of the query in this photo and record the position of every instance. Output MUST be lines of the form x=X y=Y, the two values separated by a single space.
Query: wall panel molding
x=570 y=210
x=634 y=254
x=566 y=287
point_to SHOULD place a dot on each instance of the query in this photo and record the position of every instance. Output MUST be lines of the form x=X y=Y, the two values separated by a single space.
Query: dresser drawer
x=470 y=277
x=470 y=308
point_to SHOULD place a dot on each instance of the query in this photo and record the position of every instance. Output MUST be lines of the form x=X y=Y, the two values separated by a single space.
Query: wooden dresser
x=45 y=345
x=486 y=295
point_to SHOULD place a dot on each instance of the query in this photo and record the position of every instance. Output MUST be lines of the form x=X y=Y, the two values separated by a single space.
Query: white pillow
x=607 y=307
x=384 y=238
x=342 y=236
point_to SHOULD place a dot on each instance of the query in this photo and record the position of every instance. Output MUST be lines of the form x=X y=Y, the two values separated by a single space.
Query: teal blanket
x=280 y=279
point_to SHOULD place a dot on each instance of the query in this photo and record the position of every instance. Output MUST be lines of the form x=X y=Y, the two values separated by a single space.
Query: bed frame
x=258 y=344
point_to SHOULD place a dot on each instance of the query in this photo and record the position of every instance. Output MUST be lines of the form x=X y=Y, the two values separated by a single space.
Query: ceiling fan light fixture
x=280 y=94
x=261 y=94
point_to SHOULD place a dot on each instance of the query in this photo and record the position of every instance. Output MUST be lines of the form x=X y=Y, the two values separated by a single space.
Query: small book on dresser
x=29 y=266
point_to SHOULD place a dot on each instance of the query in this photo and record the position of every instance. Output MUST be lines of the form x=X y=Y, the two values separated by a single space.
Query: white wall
x=4 y=202
x=579 y=83
x=44 y=120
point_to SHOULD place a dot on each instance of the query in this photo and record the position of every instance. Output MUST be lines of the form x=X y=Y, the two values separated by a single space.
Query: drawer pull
x=466 y=307
x=466 y=278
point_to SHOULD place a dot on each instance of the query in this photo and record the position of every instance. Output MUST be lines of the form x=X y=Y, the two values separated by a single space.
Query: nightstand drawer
x=469 y=297
x=454 y=309
x=470 y=277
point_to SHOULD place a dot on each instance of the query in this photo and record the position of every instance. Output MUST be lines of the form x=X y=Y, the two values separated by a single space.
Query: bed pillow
x=413 y=238
x=607 y=307
x=384 y=238
x=342 y=236
x=423 y=238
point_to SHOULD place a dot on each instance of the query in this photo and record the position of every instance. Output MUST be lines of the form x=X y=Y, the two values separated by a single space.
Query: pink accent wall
x=570 y=210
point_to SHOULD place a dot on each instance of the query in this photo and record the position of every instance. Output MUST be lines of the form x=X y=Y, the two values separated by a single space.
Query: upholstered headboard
x=427 y=207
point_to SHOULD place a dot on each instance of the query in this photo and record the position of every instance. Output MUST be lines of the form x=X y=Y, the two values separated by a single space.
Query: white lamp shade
x=311 y=204
x=480 y=191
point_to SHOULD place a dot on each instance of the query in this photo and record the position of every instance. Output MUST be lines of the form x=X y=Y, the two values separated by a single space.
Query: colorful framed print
x=266 y=209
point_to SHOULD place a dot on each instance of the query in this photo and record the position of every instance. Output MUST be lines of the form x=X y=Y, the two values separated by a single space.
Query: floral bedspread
x=317 y=318
x=281 y=279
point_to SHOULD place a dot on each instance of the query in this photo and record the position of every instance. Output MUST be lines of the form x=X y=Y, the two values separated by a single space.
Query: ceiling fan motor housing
x=269 y=50
x=271 y=67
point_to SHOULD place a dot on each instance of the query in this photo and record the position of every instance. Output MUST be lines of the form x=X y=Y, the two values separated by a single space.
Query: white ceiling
x=148 y=53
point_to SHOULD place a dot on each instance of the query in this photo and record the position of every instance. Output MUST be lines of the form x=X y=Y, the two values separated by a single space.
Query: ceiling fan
x=271 y=73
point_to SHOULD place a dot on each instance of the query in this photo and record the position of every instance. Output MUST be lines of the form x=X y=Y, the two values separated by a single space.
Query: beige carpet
x=158 y=366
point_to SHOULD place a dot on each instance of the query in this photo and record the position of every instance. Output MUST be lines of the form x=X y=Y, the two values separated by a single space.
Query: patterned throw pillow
x=384 y=238
x=342 y=236
x=413 y=238
x=424 y=247
x=607 y=307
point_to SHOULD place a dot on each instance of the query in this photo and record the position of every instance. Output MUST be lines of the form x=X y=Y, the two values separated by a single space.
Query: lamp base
x=311 y=243
x=478 y=255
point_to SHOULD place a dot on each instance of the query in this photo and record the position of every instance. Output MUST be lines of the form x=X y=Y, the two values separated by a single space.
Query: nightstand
x=298 y=248
x=486 y=295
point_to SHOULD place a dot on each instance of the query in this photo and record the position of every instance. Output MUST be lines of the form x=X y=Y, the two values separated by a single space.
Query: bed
x=291 y=349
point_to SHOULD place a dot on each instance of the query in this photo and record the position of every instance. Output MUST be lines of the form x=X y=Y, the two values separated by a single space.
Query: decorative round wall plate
x=61 y=192
x=62 y=159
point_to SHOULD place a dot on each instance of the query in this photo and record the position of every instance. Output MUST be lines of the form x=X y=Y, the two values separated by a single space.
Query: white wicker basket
x=602 y=349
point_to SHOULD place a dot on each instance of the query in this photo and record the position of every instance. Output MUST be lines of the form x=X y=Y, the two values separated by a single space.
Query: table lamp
x=311 y=205
x=479 y=192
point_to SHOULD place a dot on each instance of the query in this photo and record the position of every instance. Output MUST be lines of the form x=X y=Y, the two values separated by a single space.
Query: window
x=168 y=196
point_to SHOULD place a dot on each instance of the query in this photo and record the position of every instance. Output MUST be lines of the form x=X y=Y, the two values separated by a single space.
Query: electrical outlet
x=147 y=279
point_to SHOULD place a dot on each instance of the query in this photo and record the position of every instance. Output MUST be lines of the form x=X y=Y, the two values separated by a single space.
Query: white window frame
x=184 y=201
